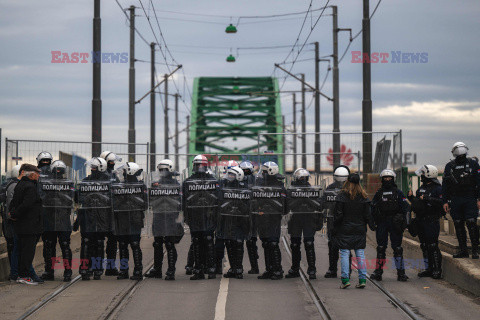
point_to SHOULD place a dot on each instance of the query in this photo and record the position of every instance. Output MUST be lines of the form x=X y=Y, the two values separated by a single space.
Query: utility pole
x=367 y=91
x=166 y=116
x=283 y=142
x=187 y=126
x=153 y=146
x=336 y=94
x=97 y=73
x=294 y=131
x=176 y=132
x=131 y=89
x=304 y=125
x=317 y=108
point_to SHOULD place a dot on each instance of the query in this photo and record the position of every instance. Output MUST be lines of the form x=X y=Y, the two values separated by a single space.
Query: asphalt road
x=249 y=298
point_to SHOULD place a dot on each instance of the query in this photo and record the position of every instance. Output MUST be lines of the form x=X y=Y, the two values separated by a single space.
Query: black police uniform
x=461 y=189
x=328 y=203
x=390 y=209
x=305 y=223
x=251 y=244
x=271 y=248
x=203 y=244
x=111 y=247
x=427 y=213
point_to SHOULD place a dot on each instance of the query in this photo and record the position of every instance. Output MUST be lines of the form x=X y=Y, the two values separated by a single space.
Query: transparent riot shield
x=201 y=200
x=129 y=201
x=95 y=201
x=165 y=203
x=234 y=214
x=267 y=207
x=58 y=195
x=303 y=208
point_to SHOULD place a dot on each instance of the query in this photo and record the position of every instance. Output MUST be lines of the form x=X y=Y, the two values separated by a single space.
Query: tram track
x=322 y=308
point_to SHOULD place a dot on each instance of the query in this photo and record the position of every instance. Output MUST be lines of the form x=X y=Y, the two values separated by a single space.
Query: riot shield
x=95 y=200
x=201 y=199
x=267 y=207
x=234 y=214
x=303 y=207
x=129 y=205
x=166 y=203
x=58 y=195
x=328 y=201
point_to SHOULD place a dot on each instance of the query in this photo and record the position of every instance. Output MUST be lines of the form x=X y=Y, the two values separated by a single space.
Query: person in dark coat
x=351 y=216
x=26 y=212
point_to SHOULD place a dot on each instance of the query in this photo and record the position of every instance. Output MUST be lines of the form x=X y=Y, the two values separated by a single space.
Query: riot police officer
x=234 y=225
x=129 y=204
x=111 y=248
x=58 y=191
x=427 y=205
x=328 y=199
x=219 y=242
x=304 y=206
x=461 y=191
x=390 y=209
x=268 y=203
x=252 y=249
x=200 y=200
x=94 y=217
x=44 y=160
x=165 y=201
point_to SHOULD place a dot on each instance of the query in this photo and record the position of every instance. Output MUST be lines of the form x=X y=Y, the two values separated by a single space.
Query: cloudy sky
x=434 y=103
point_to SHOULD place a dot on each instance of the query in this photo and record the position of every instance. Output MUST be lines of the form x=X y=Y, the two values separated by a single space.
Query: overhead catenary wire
x=136 y=30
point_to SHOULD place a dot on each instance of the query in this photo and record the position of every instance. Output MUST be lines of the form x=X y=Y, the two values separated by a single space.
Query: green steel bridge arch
x=228 y=113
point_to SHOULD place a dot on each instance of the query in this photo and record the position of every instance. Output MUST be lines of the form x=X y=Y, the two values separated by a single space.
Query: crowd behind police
x=230 y=213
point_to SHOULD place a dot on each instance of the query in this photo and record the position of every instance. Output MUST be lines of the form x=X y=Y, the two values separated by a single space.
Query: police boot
x=473 y=232
x=377 y=274
x=252 y=250
x=294 y=271
x=267 y=250
x=197 y=256
x=436 y=261
x=48 y=254
x=67 y=260
x=277 y=273
x=210 y=256
x=111 y=251
x=427 y=260
x=462 y=239
x=171 y=259
x=100 y=246
x=124 y=257
x=137 y=261
x=231 y=259
x=190 y=261
x=84 y=259
x=310 y=253
x=238 y=255
x=398 y=256
x=332 y=261
x=156 y=271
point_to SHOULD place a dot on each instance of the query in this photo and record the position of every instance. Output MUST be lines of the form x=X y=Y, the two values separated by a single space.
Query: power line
x=136 y=30
x=358 y=33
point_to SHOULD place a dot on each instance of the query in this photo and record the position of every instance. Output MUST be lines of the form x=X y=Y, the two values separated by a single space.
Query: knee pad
x=294 y=245
x=157 y=244
x=64 y=244
x=135 y=244
x=85 y=241
x=209 y=238
x=309 y=244
x=196 y=239
x=238 y=242
x=381 y=249
x=472 y=221
x=273 y=244
x=398 y=251
x=169 y=245
x=433 y=246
